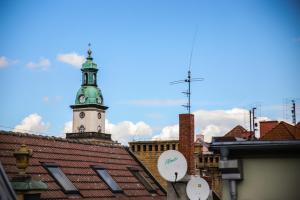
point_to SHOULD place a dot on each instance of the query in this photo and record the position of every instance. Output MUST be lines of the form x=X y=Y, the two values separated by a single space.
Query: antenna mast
x=189 y=78
x=294 y=111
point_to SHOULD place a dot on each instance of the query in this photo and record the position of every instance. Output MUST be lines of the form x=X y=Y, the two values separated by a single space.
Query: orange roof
x=239 y=131
x=283 y=131
x=75 y=159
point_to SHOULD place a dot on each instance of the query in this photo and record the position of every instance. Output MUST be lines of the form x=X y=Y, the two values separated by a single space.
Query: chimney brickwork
x=186 y=140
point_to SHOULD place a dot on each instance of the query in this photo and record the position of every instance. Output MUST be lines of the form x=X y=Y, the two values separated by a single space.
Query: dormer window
x=141 y=178
x=59 y=176
x=108 y=180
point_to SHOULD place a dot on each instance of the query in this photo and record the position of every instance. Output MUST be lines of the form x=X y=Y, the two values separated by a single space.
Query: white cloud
x=42 y=63
x=68 y=127
x=212 y=123
x=46 y=99
x=125 y=131
x=168 y=133
x=4 y=62
x=55 y=99
x=33 y=123
x=72 y=59
x=157 y=102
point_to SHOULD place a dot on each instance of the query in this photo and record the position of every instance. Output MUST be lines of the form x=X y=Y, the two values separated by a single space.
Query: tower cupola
x=89 y=109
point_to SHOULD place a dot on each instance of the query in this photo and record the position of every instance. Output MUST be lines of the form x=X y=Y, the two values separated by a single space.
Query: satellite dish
x=172 y=165
x=197 y=189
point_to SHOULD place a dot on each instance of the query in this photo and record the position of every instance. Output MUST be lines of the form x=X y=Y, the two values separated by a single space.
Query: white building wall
x=90 y=121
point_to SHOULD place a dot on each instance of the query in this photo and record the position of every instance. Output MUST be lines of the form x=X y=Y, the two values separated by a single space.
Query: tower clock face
x=81 y=115
x=82 y=99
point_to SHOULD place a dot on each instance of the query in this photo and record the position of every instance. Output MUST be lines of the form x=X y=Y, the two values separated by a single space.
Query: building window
x=141 y=178
x=162 y=147
x=205 y=160
x=138 y=147
x=217 y=159
x=110 y=182
x=200 y=159
x=99 y=129
x=144 y=147
x=85 y=78
x=156 y=147
x=150 y=147
x=168 y=147
x=99 y=115
x=133 y=148
x=174 y=146
x=211 y=159
x=94 y=79
x=60 y=178
x=81 y=129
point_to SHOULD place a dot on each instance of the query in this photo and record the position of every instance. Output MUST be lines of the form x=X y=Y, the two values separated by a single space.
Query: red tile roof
x=75 y=159
x=239 y=132
x=283 y=131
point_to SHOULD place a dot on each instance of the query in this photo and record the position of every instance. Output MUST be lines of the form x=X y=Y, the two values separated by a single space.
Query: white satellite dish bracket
x=173 y=185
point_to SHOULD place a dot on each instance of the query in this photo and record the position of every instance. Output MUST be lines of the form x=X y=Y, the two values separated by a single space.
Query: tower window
x=94 y=79
x=150 y=147
x=99 y=129
x=211 y=159
x=156 y=147
x=60 y=177
x=174 y=146
x=85 y=78
x=205 y=159
x=104 y=175
x=99 y=115
x=133 y=148
x=168 y=147
x=81 y=129
x=162 y=147
x=138 y=147
x=217 y=159
x=144 y=147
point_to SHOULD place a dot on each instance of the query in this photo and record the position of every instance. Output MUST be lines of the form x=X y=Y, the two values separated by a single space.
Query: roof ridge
x=285 y=124
x=61 y=139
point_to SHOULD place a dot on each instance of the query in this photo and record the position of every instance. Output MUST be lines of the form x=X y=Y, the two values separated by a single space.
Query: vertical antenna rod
x=253 y=120
x=250 y=115
x=294 y=112
x=189 y=78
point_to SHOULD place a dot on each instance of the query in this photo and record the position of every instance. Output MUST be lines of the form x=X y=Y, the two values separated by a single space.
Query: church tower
x=89 y=109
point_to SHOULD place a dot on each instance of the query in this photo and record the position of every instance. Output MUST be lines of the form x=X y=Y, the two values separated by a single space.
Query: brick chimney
x=266 y=126
x=186 y=140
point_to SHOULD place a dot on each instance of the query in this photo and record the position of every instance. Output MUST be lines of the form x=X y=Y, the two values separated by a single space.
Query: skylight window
x=104 y=175
x=60 y=178
x=141 y=178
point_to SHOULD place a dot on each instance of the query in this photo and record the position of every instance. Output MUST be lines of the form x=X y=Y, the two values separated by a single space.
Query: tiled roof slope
x=74 y=159
x=283 y=131
x=239 y=132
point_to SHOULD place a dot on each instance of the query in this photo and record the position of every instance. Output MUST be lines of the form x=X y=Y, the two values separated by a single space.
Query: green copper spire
x=89 y=93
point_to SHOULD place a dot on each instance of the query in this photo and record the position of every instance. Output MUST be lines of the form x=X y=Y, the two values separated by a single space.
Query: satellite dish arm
x=173 y=185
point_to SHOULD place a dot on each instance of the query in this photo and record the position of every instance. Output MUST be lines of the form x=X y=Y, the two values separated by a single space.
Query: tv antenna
x=293 y=110
x=189 y=78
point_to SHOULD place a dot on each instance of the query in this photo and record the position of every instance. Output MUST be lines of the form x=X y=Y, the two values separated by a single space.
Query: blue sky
x=248 y=52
